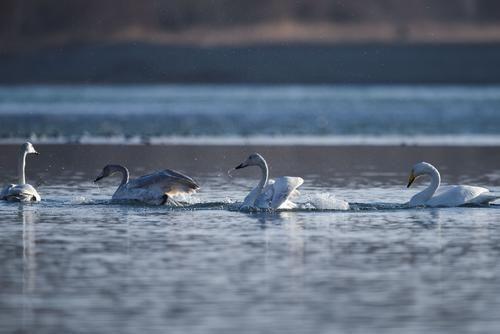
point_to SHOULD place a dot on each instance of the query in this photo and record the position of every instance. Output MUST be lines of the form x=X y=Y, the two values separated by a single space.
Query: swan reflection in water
x=29 y=216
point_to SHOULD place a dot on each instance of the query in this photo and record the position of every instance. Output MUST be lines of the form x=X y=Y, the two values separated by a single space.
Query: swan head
x=28 y=148
x=108 y=170
x=419 y=169
x=255 y=159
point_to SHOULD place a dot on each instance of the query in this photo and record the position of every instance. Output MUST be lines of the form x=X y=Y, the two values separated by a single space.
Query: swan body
x=270 y=194
x=155 y=188
x=21 y=192
x=436 y=195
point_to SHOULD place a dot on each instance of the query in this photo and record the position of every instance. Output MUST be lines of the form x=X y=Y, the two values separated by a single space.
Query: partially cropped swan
x=155 y=188
x=445 y=196
x=21 y=192
x=270 y=194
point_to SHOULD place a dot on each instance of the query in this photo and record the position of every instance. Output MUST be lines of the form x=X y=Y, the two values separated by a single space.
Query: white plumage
x=270 y=194
x=21 y=192
x=446 y=196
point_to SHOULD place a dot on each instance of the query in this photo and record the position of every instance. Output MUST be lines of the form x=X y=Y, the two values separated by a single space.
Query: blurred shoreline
x=281 y=32
x=271 y=63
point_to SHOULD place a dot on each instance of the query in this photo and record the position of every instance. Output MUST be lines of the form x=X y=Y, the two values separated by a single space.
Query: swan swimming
x=445 y=196
x=21 y=192
x=155 y=188
x=270 y=194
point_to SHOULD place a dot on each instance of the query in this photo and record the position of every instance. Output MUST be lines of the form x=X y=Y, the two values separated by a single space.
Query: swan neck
x=125 y=174
x=265 y=176
x=22 y=167
x=428 y=192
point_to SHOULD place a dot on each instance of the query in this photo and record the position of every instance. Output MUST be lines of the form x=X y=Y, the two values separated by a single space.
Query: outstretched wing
x=284 y=188
x=167 y=181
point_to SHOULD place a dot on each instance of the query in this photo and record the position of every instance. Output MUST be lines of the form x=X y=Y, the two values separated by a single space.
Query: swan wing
x=284 y=188
x=265 y=198
x=5 y=191
x=167 y=181
x=457 y=195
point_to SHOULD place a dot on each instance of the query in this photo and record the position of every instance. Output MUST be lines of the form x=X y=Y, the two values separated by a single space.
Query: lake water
x=76 y=264
x=242 y=114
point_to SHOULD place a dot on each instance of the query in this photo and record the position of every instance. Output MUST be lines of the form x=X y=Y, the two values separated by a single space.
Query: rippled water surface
x=145 y=113
x=75 y=264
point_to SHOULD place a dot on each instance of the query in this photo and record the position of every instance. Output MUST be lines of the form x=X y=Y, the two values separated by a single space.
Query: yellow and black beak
x=411 y=178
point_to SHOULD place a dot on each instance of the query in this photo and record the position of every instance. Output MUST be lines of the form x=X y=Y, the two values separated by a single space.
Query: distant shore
x=280 y=63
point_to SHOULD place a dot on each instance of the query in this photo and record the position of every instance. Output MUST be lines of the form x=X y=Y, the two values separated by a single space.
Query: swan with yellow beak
x=436 y=195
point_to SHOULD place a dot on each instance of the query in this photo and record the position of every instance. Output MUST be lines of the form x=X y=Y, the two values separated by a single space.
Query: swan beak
x=242 y=165
x=36 y=152
x=410 y=180
x=98 y=178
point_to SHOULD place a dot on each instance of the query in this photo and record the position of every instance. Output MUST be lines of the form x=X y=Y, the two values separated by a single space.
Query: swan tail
x=486 y=198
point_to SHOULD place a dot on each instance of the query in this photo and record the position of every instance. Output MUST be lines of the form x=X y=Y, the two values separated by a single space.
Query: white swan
x=155 y=188
x=270 y=194
x=21 y=192
x=445 y=196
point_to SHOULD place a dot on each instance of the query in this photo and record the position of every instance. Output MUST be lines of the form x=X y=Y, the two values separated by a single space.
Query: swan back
x=20 y=193
x=456 y=195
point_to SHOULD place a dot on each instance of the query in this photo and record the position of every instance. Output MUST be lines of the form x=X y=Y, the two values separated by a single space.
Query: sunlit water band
x=240 y=114
x=421 y=140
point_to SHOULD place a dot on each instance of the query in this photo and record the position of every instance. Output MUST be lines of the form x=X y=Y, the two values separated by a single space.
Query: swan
x=270 y=194
x=155 y=188
x=21 y=192
x=445 y=196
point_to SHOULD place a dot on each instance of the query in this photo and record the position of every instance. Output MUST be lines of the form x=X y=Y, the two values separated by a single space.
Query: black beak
x=98 y=178
x=37 y=153
x=242 y=165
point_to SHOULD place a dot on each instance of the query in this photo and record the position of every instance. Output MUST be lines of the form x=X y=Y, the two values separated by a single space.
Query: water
x=75 y=264
x=319 y=114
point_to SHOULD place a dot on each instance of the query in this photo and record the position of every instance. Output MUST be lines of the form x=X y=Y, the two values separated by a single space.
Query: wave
x=325 y=203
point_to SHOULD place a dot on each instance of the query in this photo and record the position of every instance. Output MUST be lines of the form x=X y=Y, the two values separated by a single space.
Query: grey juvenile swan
x=155 y=188
x=21 y=192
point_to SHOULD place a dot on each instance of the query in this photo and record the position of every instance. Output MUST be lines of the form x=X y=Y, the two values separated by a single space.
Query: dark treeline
x=38 y=18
